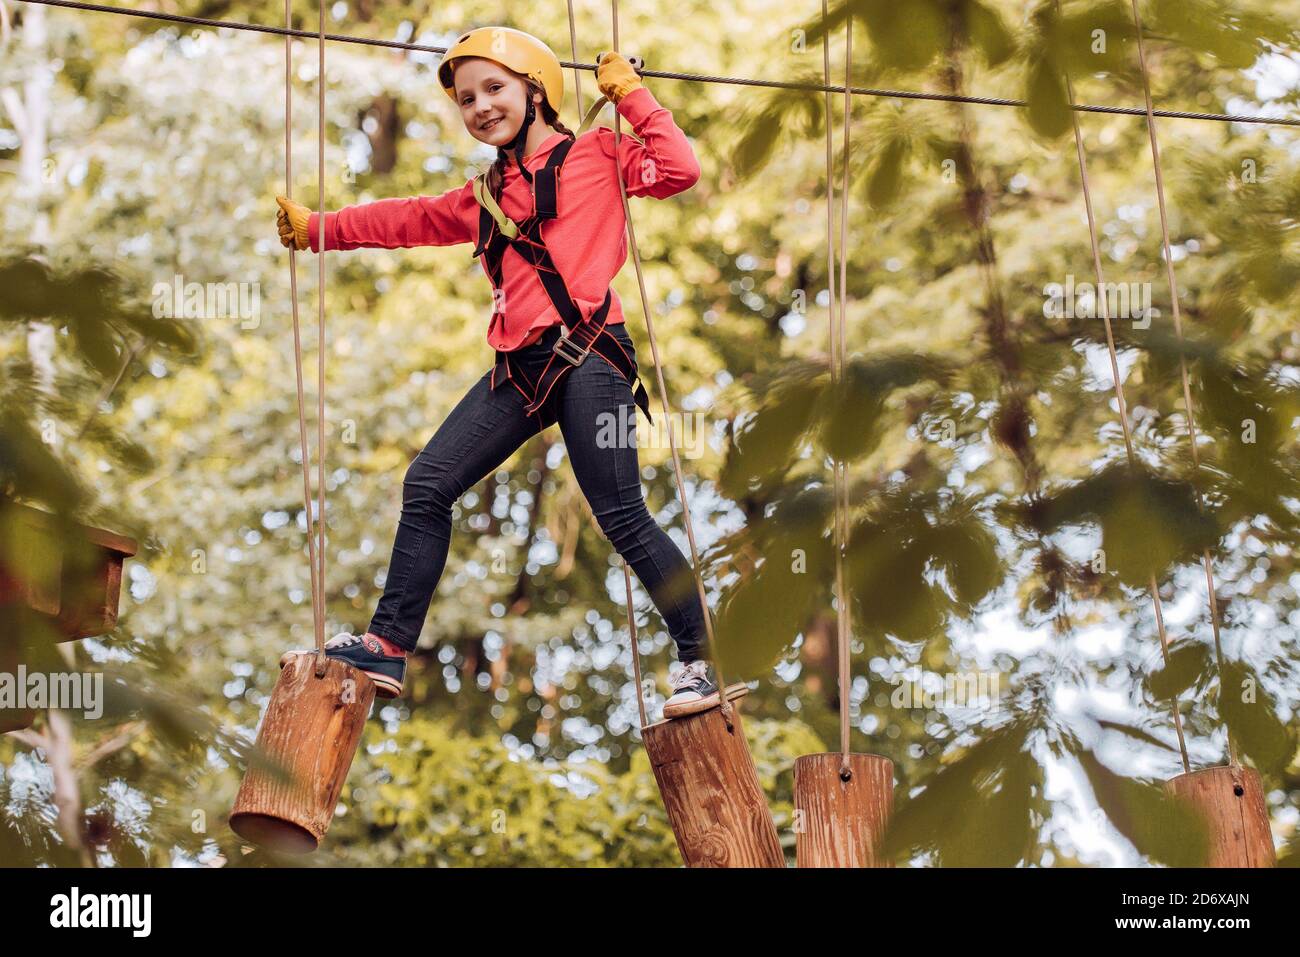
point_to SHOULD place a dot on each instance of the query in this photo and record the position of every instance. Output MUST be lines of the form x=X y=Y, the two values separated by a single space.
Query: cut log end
x=273 y=833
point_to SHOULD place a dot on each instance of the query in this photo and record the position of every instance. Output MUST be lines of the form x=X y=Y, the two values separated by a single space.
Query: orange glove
x=615 y=76
x=292 y=221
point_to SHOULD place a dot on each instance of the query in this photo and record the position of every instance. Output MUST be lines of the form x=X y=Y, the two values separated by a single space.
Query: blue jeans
x=484 y=429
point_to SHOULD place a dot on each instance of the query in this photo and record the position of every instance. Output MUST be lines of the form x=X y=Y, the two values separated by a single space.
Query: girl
x=551 y=245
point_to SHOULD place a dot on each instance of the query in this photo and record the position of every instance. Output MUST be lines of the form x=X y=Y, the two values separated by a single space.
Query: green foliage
x=446 y=799
x=1251 y=715
x=1188 y=663
x=775 y=746
x=1160 y=825
x=435 y=797
x=1148 y=523
x=975 y=811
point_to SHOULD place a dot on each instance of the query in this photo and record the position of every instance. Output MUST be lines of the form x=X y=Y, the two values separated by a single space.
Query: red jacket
x=588 y=241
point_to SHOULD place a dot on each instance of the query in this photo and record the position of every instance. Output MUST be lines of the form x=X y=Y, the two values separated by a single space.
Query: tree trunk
x=383 y=137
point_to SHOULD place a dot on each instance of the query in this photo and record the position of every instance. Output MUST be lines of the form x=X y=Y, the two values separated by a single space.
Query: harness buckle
x=574 y=354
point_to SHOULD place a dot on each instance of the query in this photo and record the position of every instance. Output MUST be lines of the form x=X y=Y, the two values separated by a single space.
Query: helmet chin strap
x=517 y=146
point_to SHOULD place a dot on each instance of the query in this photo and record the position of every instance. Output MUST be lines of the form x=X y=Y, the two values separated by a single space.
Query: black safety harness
x=579 y=337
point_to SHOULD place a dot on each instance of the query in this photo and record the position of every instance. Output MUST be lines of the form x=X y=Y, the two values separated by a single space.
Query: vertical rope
x=1182 y=361
x=320 y=347
x=723 y=703
x=317 y=604
x=636 y=651
x=627 y=575
x=837 y=359
x=1115 y=377
x=577 y=74
x=830 y=325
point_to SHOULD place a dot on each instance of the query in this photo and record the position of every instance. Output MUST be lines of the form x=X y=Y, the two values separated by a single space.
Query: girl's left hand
x=292 y=220
x=615 y=76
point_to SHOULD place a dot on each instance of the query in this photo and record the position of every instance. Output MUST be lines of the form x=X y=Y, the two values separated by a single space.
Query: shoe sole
x=385 y=687
x=689 y=708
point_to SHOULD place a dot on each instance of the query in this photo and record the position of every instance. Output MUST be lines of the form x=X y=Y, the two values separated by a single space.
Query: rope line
x=1152 y=585
x=723 y=703
x=830 y=326
x=321 y=661
x=837 y=360
x=673 y=75
x=627 y=574
x=1182 y=359
x=636 y=651
x=315 y=550
x=577 y=75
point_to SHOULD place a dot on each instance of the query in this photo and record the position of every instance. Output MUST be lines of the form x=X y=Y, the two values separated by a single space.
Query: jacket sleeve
x=392 y=223
x=666 y=164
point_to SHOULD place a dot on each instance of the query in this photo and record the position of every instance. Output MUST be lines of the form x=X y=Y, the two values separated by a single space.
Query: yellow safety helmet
x=513 y=49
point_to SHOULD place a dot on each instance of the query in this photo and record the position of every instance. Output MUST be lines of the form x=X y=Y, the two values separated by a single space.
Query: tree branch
x=111 y=744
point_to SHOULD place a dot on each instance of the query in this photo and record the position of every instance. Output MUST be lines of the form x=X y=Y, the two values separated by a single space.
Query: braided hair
x=496 y=174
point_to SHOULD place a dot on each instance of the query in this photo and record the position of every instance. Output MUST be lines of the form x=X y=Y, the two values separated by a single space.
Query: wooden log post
x=309 y=734
x=1231 y=801
x=69 y=573
x=710 y=790
x=840 y=823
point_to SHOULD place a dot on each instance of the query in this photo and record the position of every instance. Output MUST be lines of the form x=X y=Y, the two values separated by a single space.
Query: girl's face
x=491 y=99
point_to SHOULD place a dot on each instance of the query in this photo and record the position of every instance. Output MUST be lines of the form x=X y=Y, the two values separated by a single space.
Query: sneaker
x=386 y=671
x=693 y=690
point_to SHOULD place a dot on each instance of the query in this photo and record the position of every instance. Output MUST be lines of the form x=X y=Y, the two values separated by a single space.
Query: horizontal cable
x=669 y=75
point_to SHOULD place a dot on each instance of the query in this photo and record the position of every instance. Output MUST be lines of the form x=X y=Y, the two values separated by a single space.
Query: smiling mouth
x=492 y=124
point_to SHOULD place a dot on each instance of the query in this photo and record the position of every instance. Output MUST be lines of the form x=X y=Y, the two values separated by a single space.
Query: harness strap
x=594 y=111
x=580 y=336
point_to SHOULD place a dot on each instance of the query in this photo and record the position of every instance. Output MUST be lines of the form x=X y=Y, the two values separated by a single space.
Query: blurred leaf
x=1132 y=732
x=1159 y=825
x=761 y=127
x=763 y=448
x=764 y=612
x=1251 y=716
x=1223 y=30
x=1188 y=662
x=94 y=342
x=1226 y=312
x=1048 y=108
x=968 y=554
x=848 y=414
x=175 y=334
x=888 y=587
x=28 y=470
x=1086 y=36
x=975 y=810
x=903 y=38
x=886 y=175
x=986 y=32
x=1148 y=523
x=999 y=832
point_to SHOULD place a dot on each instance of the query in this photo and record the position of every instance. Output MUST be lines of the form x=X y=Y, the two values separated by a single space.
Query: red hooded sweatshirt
x=588 y=240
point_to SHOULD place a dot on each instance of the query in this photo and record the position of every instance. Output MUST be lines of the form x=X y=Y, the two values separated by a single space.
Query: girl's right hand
x=292 y=222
